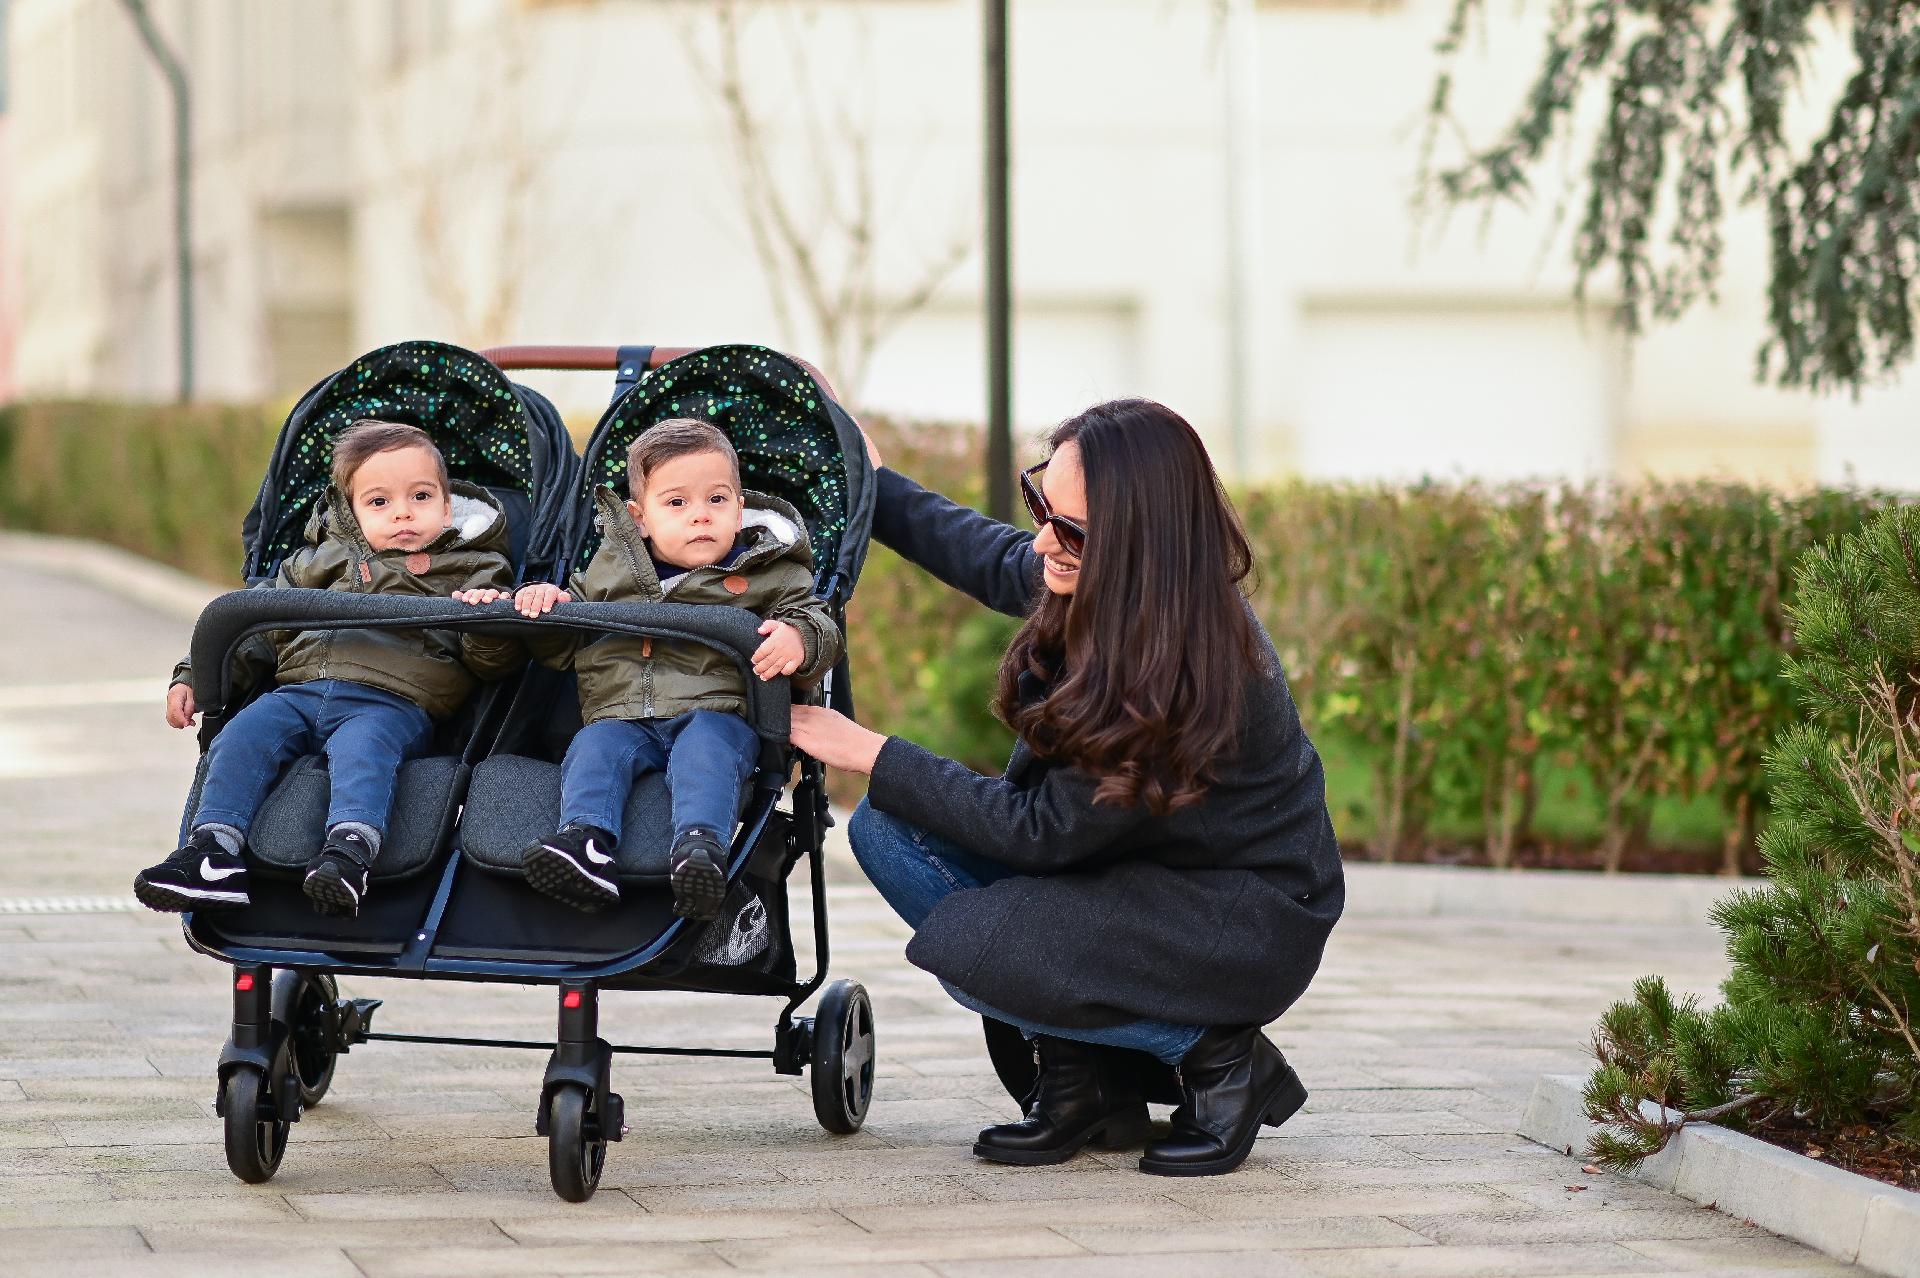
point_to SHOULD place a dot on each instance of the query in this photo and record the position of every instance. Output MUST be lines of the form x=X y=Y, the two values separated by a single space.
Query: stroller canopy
x=503 y=437
x=794 y=442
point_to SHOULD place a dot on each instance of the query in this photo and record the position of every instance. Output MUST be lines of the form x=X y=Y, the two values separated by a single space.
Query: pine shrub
x=1817 y=1018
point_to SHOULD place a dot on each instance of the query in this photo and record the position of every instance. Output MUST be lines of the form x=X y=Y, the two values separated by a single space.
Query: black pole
x=999 y=273
x=182 y=181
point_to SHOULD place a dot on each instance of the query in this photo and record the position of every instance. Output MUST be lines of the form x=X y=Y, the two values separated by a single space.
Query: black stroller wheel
x=256 y=1134
x=302 y=1001
x=574 y=1158
x=843 y=1057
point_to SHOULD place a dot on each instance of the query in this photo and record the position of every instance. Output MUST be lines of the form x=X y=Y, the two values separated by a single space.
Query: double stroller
x=448 y=901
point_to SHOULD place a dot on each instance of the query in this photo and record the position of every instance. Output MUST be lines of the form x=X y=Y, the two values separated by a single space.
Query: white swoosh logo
x=212 y=875
x=596 y=856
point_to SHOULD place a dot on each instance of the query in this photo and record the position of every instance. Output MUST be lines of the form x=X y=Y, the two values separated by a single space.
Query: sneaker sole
x=170 y=898
x=556 y=875
x=330 y=893
x=699 y=888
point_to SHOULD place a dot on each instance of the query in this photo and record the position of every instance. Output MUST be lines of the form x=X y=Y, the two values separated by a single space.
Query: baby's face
x=690 y=510
x=399 y=499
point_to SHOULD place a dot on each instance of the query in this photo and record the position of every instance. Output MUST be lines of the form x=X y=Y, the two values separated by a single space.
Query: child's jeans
x=706 y=755
x=915 y=869
x=365 y=733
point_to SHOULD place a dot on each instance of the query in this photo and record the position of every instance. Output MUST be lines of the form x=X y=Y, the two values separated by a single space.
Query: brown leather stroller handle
x=600 y=359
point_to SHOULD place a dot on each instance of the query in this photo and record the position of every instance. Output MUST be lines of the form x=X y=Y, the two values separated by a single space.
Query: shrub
x=1819 y=1011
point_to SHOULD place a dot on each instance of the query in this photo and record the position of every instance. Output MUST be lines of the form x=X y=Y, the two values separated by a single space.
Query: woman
x=1156 y=870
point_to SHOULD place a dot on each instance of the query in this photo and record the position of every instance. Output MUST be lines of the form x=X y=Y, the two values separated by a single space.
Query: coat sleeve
x=991 y=561
x=797 y=605
x=1041 y=829
x=491 y=656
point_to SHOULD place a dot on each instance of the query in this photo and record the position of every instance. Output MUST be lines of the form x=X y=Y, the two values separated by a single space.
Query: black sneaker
x=574 y=866
x=200 y=876
x=336 y=879
x=698 y=871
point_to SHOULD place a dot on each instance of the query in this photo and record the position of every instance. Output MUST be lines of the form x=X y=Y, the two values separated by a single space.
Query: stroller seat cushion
x=291 y=825
x=515 y=801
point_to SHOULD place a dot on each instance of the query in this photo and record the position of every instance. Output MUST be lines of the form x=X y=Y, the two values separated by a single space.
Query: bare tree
x=818 y=243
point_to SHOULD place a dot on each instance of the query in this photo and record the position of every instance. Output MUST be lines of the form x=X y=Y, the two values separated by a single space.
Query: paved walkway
x=1420 y=1042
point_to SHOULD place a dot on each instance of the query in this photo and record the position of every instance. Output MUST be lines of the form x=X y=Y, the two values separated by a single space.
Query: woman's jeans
x=706 y=755
x=366 y=734
x=914 y=870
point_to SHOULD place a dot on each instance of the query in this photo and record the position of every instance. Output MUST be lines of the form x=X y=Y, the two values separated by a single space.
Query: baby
x=391 y=524
x=688 y=534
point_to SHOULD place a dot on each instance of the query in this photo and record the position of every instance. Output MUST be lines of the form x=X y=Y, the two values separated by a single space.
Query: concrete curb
x=163 y=589
x=1573 y=896
x=1847 y=1216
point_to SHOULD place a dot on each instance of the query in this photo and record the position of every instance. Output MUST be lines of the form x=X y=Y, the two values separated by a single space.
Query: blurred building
x=807 y=175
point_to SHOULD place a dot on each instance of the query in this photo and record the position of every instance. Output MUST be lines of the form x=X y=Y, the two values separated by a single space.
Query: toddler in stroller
x=688 y=533
x=392 y=523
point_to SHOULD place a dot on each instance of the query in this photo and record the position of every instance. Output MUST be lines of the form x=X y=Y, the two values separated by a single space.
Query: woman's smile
x=1060 y=567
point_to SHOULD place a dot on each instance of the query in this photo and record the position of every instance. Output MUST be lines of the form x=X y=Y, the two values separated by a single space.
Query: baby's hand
x=781 y=654
x=538 y=598
x=180 y=707
x=483 y=596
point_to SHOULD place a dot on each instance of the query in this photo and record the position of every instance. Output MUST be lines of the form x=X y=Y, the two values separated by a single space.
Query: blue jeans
x=365 y=733
x=706 y=755
x=914 y=870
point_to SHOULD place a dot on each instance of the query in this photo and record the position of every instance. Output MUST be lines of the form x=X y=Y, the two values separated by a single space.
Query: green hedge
x=1497 y=674
x=1485 y=653
x=171 y=483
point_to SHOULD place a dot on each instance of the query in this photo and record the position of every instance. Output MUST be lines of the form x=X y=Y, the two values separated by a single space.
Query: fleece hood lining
x=472 y=516
x=783 y=530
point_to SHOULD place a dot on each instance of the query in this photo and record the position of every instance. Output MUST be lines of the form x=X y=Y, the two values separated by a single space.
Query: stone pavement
x=1420 y=1042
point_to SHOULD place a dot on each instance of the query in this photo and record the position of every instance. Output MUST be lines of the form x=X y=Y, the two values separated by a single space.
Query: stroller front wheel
x=574 y=1157
x=256 y=1134
x=843 y=1055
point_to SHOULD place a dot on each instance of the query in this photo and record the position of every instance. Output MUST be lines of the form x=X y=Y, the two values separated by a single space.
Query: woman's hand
x=483 y=595
x=836 y=740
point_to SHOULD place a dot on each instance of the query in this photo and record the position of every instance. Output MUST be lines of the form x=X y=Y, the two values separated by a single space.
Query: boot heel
x=1125 y=1130
x=1287 y=1102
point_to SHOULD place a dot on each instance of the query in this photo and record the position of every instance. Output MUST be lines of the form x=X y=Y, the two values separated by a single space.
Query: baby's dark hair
x=369 y=437
x=675 y=437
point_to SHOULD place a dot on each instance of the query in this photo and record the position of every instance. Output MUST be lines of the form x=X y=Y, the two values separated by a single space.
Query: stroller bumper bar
x=231 y=619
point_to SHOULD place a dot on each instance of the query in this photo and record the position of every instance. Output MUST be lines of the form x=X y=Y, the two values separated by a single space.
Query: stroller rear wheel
x=575 y=1153
x=301 y=1001
x=842 y=1069
x=256 y=1134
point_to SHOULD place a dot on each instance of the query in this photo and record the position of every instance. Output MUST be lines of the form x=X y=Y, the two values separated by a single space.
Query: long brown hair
x=1147 y=663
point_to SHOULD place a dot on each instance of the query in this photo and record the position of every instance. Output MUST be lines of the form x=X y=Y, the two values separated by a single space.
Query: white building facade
x=808 y=175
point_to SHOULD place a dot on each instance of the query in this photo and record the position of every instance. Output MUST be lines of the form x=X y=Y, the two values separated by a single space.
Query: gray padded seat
x=515 y=800
x=291 y=825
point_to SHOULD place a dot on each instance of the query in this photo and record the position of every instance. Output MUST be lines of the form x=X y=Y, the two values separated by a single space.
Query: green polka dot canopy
x=454 y=394
x=782 y=425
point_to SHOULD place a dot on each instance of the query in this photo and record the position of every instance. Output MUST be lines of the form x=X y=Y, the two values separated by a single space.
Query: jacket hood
x=479 y=523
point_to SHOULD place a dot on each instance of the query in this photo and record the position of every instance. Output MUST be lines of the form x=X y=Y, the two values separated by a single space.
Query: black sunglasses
x=1071 y=532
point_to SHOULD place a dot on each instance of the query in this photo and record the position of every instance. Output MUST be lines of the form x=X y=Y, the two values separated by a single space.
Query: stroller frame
x=290 y=1024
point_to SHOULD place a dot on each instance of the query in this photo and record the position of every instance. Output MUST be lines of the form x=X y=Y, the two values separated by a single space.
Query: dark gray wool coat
x=1215 y=914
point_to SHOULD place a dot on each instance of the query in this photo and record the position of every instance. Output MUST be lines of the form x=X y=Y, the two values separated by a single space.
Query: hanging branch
x=1693 y=95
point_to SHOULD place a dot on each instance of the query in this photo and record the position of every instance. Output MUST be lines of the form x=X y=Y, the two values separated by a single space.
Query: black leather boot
x=1078 y=1099
x=1231 y=1082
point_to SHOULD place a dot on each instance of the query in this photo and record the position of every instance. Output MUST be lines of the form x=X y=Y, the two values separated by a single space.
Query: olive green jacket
x=629 y=677
x=434 y=669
